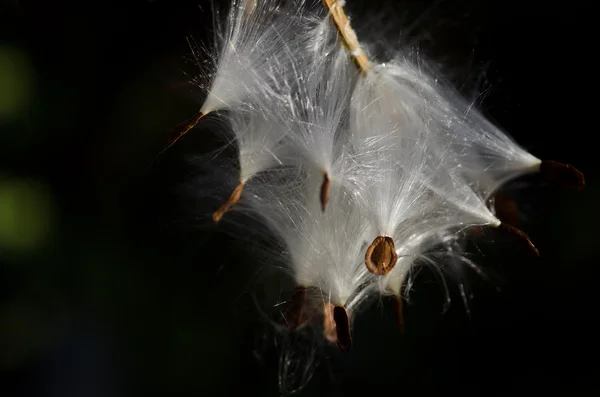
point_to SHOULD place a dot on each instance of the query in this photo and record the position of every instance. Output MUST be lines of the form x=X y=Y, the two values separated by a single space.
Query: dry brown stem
x=347 y=34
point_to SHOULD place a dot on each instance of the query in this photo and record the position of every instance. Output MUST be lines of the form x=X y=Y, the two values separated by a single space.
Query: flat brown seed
x=342 y=327
x=521 y=234
x=294 y=313
x=231 y=201
x=329 y=328
x=183 y=128
x=381 y=256
x=506 y=209
x=324 y=194
x=562 y=174
x=399 y=310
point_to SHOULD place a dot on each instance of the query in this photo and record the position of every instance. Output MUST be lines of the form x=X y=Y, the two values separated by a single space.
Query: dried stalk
x=347 y=34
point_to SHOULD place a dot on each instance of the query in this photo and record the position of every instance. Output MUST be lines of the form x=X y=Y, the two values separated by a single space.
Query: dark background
x=111 y=284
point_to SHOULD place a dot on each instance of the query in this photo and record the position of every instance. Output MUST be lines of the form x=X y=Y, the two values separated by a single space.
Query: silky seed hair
x=361 y=169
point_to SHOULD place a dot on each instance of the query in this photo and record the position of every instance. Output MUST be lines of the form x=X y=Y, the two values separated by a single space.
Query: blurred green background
x=111 y=284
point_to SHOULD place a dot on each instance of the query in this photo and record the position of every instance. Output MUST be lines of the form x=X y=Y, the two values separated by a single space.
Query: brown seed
x=336 y=325
x=182 y=129
x=476 y=231
x=399 y=310
x=231 y=201
x=506 y=209
x=381 y=256
x=294 y=313
x=521 y=234
x=342 y=326
x=562 y=174
x=325 y=191
x=329 y=328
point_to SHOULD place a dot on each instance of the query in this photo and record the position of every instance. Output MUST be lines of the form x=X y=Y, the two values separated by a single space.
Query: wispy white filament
x=258 y=138
x=324 y=247
x=406 y=158
x=317 y=108
x=252 y=54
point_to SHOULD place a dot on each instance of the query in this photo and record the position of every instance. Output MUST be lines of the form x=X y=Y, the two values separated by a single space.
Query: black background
x=130 y=293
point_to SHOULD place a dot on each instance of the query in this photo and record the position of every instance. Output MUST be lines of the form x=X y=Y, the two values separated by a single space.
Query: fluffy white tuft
x=342 y=151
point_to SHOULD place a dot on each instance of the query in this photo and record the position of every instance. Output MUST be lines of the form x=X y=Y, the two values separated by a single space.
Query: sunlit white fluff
x=406 y=157
x=411 y=183
x=470 y=144
x=324 y=247
x=416 y=194
x=258 y=138
x=252 y=57
x=317 y=108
